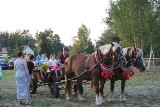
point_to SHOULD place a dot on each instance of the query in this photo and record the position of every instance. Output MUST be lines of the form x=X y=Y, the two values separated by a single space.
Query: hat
x=38 y=57
x=65 y=49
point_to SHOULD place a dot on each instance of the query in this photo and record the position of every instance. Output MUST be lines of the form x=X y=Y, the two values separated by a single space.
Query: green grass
x=142 y=90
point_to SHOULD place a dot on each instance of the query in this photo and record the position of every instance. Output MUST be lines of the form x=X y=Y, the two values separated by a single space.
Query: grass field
x=143 y=90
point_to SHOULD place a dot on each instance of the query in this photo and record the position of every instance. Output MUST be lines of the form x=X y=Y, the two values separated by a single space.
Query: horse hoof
x=81 y=99
x=109 y=99
x=68 y=98
x=101 y=99
x=98 y=103
x=122 y=99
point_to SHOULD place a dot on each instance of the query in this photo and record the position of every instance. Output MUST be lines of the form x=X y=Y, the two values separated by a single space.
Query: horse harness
x=107 y=70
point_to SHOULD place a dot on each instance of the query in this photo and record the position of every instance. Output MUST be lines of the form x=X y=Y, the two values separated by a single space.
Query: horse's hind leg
x=122 y=97
x=68 y=88
x=101 y=95
x=79 y=89
x=111 y=90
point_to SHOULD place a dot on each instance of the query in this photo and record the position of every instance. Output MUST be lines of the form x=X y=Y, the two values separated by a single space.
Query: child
x=44 y=59
x=54 y=65
x=38 y=68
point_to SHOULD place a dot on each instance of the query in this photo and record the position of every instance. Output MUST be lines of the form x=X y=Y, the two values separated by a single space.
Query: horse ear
x=135 y=49
x=130 y=52
x=112 y=44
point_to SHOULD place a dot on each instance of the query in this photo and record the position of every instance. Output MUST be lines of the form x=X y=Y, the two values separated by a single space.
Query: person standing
x=30 y=65
x=22 y=79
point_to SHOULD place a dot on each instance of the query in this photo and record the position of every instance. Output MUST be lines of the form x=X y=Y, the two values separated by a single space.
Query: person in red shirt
x=62 y=58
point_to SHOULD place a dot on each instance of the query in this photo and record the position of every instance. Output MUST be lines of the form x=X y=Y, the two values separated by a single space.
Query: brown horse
x=134 y=57
x=91 y=67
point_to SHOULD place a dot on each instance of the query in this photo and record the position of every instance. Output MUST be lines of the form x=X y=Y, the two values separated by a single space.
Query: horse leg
x=68 y=88
x=96 y=87
x=122 y=97
x=111 y=90
x=101 y=94
x=79 y=90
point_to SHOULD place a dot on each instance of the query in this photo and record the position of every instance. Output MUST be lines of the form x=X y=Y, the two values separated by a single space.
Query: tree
x=56 y=44
x=44 y=42
x=18 y=39
x=82 y=43
x=107 y=37
x=130 y=20
x=136 y=22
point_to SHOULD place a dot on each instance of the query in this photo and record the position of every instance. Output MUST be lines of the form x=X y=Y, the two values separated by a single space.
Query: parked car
x=0 y=73
x=11 y=63
x=3 y=65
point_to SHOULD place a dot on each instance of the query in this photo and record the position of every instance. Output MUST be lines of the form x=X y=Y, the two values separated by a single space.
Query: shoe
x=20 y=102
x=28 y=103
x=39 y=82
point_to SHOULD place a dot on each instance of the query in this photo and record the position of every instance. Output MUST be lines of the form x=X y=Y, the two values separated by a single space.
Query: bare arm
x=59 y=62
x=50 y=63
x=14 y=68
x=26 y=68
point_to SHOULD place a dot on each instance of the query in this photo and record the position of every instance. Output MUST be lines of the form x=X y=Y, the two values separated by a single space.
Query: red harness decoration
x=107 y=71
x=127 y=73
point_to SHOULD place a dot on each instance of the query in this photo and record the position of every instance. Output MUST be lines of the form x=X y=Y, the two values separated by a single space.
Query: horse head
x=112 y=53
x=136 y=58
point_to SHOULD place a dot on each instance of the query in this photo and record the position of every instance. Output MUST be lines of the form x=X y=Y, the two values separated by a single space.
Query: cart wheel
x=54 y=90
x=75 y=89
x=33 y=86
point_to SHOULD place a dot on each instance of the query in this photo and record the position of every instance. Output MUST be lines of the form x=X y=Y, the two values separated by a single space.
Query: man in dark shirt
x=62 y=58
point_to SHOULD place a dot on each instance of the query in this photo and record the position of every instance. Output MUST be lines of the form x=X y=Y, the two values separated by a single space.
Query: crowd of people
x=23 y=71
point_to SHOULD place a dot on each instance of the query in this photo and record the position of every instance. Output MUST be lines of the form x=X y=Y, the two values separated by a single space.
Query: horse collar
x=106 y=69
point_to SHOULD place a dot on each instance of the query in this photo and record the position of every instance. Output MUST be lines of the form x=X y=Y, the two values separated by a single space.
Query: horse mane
x=129 y=50
x=140 y=52
x=106 y=48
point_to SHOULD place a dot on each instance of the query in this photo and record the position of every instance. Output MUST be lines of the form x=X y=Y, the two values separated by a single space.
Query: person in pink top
x=54 y=65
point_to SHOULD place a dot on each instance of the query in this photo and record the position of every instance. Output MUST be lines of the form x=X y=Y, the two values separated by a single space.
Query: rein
x=107 y=71
x=85 y=69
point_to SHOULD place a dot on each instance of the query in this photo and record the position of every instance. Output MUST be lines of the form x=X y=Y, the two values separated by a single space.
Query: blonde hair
x=44 y=55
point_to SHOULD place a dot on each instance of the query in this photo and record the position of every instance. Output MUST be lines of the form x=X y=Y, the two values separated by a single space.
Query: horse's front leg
x=101 y=94
x=96 y=87
x=68 y=88
x=79 y=89
x=122 y=97
x=111 y=90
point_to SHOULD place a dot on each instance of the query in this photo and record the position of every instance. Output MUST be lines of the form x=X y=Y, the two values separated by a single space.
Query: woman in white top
x=54 y=65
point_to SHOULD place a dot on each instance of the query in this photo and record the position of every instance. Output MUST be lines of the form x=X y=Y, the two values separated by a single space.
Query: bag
x=0 y=73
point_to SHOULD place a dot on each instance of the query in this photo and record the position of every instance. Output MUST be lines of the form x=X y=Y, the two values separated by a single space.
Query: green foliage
x=14 y=40
x=136 y=22
x=107 y=37
x=44 y=41
x=82 y=43
x=47 y=43
x=56 y=44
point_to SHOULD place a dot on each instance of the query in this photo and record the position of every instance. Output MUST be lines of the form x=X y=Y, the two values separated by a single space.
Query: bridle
x=107 y=70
